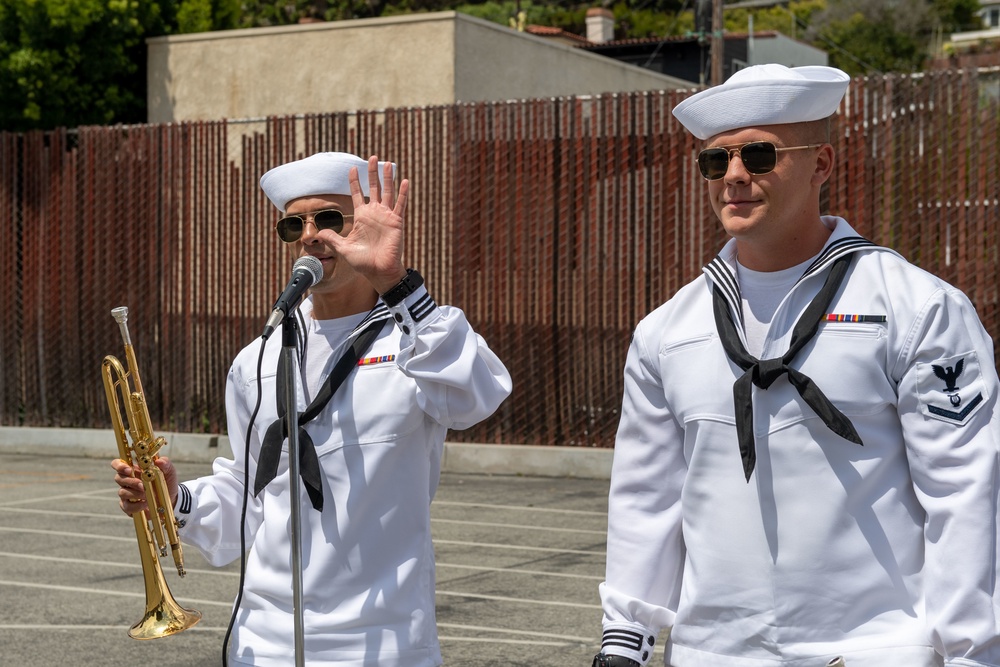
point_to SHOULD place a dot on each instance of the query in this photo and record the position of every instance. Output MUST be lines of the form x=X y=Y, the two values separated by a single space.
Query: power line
x=759 y=4
x=668 y=34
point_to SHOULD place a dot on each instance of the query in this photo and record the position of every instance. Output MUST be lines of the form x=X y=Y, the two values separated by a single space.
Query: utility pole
x=717 y=43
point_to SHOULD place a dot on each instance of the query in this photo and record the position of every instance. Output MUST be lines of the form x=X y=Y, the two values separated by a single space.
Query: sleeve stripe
x=623 y=638
x=422 y=308
x=184 y=504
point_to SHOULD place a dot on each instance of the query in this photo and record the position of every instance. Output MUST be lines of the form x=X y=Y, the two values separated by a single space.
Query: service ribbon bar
x=837 y=317
x=368 y=361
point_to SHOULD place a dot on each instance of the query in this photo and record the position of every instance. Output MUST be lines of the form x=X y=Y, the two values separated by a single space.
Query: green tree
x=870 y=37
x=957 y=15
x=787 y=19
x=207 y=15
x=260 y=13
x=66 y=63
x=73 y=62
x=537 y=13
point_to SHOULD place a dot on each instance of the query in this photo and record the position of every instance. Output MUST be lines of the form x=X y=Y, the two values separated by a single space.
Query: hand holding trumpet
x=132 y=493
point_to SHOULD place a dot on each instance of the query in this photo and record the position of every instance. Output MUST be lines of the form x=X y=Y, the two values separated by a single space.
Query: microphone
x=306 y=272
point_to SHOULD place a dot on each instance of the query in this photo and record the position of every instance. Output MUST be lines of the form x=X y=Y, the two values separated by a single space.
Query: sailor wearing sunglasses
x=370 y=456
x=806 y=467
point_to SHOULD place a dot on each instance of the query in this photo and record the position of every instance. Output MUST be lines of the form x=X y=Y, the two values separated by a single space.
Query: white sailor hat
x=318 y=174
x=764 y=95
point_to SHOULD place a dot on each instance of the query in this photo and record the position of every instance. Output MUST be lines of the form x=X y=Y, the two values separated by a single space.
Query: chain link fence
x=555 y=224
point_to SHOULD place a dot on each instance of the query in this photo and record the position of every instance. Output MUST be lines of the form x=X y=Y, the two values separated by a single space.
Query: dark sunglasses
x=290 y=227
x=758 y=157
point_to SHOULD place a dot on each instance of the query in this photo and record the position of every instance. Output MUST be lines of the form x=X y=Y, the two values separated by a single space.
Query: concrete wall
x=778 y=48
x=317 y=67
x=402 y=61
x=494 y=63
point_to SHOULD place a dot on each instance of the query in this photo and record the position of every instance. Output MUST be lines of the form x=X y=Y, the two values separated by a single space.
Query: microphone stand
x=289 y=329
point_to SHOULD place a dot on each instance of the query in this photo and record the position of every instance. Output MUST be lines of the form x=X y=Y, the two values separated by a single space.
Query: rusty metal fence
x=555 y=224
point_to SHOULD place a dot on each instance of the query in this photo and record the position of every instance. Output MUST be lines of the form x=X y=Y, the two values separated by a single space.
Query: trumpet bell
x=165 y=619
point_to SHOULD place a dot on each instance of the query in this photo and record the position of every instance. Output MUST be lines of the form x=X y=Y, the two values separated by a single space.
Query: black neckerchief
x=270 y=450
x=764 y=372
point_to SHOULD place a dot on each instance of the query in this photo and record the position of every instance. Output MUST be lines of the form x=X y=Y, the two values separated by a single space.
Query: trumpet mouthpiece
x=121 y=317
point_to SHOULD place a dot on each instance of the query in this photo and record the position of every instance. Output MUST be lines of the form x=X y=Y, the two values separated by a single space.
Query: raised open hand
x=374 y=244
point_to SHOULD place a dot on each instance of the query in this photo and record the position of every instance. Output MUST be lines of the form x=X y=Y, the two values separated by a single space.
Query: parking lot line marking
x=484 y=545
x=208 y=628
x=105 y=591
x=502 y=598
x=602 y=533
x=48 y=499
x=104 y=563
x=89 y=515
x=117 y=517
x=63 y=533
x=488 y=545
x=527 y=633
x=525 y=508
x=511 y=570
x=525 y=642
x=42 y=474
x=227 y=573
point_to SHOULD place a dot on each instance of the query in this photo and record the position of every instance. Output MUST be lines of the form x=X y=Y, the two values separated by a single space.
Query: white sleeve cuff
x=413 y=312
x=629 y=640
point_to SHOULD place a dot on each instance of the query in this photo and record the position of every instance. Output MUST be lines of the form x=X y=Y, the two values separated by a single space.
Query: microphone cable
x=243 y=512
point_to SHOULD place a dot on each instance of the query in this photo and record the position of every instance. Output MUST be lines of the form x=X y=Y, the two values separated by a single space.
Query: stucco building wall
x=777 y=48
x=495 y=63
x=402 y=61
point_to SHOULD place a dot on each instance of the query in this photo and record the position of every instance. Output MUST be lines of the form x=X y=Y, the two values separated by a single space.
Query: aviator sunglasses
x=290 y=227
x=758 y=157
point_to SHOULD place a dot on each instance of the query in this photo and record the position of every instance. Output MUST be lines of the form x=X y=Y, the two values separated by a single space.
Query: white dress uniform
x=885 y=554
x=368 y=562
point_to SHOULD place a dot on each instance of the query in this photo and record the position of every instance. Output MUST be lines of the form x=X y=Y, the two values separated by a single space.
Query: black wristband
x=601 y=660
x=404 y=288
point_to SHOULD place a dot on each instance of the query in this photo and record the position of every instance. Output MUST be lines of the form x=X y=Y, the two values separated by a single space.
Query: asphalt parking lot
x=519 y=561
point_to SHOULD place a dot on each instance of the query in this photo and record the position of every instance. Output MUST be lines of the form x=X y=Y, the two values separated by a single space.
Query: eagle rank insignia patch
x=951 y=389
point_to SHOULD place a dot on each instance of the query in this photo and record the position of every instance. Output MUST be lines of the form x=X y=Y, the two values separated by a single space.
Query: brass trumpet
x=163 y=615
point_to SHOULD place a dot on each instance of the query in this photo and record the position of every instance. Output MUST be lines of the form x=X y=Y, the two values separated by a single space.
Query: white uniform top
x=368 y=562
x=885 y=554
